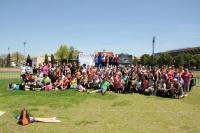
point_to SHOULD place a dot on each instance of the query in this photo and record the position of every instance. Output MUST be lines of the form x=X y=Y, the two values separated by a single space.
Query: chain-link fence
x=9 y=73
x=197 y=81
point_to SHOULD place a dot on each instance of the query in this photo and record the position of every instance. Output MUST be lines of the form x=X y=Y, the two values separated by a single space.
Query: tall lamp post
x=153 y=47
x=8 y=50
x=24 y=51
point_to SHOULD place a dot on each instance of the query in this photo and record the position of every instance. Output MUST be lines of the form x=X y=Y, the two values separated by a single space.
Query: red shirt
x=116 y=59
x=170 y=75
x=186 y=77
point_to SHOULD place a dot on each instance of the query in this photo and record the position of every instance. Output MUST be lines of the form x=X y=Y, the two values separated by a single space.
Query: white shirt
x=23 y=69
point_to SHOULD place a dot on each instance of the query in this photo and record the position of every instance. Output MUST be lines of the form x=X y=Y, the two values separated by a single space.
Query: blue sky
x=93 y=25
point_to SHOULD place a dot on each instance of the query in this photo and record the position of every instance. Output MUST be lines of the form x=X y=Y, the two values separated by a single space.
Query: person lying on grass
x=104 y=87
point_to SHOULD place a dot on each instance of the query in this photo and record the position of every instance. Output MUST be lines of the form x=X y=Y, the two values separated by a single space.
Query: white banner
x=87 y=59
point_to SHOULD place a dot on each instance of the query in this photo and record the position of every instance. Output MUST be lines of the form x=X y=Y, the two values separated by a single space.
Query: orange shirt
x=78 y=75
x=145 y=84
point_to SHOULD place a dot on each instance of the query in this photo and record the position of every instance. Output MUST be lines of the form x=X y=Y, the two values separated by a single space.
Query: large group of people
x=165 y=81
x=104 y=59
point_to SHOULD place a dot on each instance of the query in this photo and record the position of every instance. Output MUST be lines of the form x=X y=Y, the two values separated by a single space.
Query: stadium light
x=153 y=47
x=24 y=50
x=8 y=50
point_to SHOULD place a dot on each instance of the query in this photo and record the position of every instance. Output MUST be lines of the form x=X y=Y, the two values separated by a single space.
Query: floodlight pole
x=8 y=50
x=24 y=50
x=153 y=47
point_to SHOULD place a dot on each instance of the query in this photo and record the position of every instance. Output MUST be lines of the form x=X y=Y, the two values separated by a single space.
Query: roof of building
x=194 y=50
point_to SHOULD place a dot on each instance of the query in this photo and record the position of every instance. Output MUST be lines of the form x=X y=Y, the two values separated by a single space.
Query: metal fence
x=9 y=73
x=197 y=81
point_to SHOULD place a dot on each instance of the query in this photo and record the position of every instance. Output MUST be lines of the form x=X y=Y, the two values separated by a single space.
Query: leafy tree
x=144 y=59
x=165 y=59
x=179 y=60
x=17 y=57
x=62 y=53
x=135 y=60
x=73 y=53
x=192 y=61
x=187 y=59
x=153 y=60
x=46 y=59
x=28 y=60
x=197 y=61
x=52 y=59
x=76 y=54
x=1 y=62
x=8 y=59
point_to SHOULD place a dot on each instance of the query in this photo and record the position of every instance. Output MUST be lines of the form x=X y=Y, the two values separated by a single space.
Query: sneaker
x=181 y=96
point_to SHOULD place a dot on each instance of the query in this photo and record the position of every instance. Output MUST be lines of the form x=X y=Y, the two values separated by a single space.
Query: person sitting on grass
x=84 y=80
x=177 y=90
x=73 y=83
x=125 y=79
x=27 y=77
x=150 y=89
x=81 y=88
x=169 y=89
x=65 y=83
x=78 y=75
x=145 y=84
x=138 y=85
x=161 y=88
x=105 y=84
x=47 y=83
x=118 y=83
x=58 y=83
x=96 y=82
x=23 y=71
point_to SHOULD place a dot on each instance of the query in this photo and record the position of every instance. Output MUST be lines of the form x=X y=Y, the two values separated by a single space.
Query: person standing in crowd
x=29 y=68
x=35 y=70
x=100 y=60
x=44 y=69
x=186 y=78
x=96 y=59
x=116 y=60
x=73 y=68
x=110 y=60
x=23 y=71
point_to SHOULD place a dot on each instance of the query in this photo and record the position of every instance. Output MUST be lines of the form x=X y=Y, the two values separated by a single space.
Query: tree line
x=69 y=53
x=183 y=59
x=63 y=54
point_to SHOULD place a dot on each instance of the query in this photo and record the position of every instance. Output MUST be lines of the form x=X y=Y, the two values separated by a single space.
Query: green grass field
x=89 y=113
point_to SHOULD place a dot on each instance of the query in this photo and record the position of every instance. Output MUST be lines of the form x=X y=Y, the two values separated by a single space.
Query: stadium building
x=194 y=50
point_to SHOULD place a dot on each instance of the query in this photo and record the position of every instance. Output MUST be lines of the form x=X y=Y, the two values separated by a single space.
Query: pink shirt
x=45 y=70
